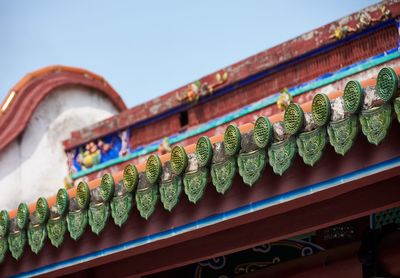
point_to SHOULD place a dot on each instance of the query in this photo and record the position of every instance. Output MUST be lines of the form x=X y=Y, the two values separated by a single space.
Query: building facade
x=284 y=164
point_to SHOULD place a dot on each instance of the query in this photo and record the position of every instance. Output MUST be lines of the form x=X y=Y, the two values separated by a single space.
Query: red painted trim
x=389 y=254
x=338 y=262
x=34 y=87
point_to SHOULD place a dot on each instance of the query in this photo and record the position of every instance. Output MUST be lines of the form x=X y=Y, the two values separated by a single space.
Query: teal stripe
x=270 y=100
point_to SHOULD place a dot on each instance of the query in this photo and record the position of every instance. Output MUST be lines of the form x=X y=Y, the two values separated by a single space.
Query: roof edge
x=247 y=127
x=285 y=52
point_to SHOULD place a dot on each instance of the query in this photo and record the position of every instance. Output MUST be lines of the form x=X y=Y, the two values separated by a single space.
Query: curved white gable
x=35 y=164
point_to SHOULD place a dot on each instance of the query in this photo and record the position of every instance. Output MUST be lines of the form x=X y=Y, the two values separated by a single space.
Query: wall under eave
x=35 y=164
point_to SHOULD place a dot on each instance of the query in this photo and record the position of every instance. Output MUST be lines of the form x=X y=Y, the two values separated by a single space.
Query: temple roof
x=306 y=130
x=242 y=154
x=266 y=62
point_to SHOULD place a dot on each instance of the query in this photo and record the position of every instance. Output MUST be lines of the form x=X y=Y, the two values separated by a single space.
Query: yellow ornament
x=284 y=100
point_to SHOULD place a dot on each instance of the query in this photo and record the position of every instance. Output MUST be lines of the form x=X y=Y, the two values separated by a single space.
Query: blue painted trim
x=397 y=23
x=270 y=100
x=211 y=220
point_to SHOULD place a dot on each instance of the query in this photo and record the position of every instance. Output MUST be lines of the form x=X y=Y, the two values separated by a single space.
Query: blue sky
x=147 y=48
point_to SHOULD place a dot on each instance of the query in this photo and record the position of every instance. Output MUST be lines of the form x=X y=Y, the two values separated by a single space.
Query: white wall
x=35 y=164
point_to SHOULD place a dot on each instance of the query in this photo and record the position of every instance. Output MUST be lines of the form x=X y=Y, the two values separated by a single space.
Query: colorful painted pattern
x=99 y=151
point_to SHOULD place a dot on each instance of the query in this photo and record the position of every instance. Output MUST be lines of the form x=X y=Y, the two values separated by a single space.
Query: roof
x=23 y=99
x=304 y=130
x=239 y=155
x=141 y=168
x=301 y=47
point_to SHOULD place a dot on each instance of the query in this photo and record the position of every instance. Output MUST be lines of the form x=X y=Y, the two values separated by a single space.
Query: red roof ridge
x=252 y=65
